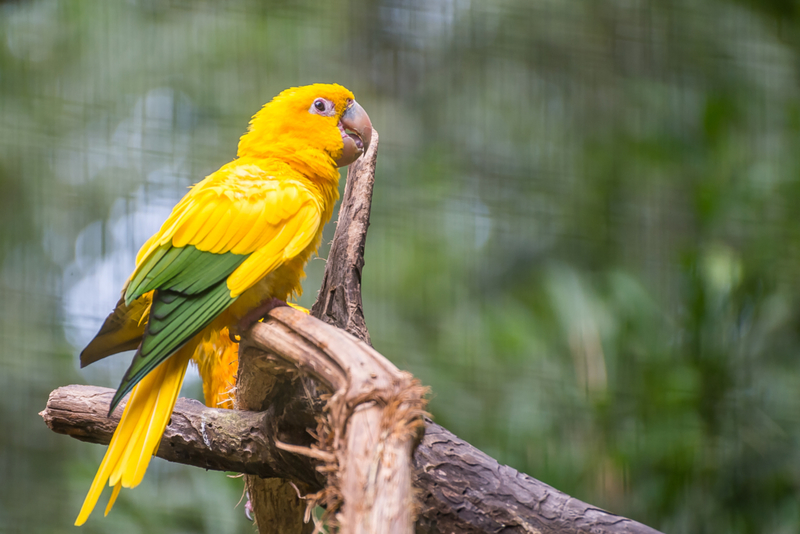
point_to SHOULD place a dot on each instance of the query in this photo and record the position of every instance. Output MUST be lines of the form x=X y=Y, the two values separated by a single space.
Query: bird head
x=321 y=117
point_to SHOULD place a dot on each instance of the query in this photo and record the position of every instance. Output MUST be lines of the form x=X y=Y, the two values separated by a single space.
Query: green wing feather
x=190 y=290
x=185 y=270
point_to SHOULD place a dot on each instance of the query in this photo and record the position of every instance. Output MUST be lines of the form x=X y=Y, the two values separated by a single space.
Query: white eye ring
x=323 y=107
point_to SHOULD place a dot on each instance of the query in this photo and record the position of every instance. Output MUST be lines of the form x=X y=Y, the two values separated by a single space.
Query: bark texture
x=277 y=507
x=461 y=489
x=263 y=386
x=237 y=438
x=339 y=300
x=371 y=419
x=466 y=490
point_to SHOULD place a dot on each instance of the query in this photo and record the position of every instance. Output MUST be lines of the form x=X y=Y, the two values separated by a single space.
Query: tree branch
x=339 y=300
x=371 y=419
x=211 y=438
x=461 y=488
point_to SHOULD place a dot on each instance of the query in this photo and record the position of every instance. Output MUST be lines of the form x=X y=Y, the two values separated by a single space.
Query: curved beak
x=356 y=131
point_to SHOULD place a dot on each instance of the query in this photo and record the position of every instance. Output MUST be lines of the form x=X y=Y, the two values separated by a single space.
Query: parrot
x=232 y=249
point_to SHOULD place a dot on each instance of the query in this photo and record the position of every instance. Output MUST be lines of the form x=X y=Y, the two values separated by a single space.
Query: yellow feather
x=262 y=231
x=191 y=225
x=308 y=222
x=265 y=259
x=170 y=225
x=145 y=403
x=289 y=203
x=165 y=381
x=220 y=209
x=112 y=499
x=271 y=210
x=217 y=361
x=238 y=231
x=215 y=242
x=149 y=246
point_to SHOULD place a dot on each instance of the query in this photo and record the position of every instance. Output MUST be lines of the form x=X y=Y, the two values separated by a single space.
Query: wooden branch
x=263 y=386
x=339 y=300
x=211 y=438
x=466 y=490
x=371 y=421
x=461 y=488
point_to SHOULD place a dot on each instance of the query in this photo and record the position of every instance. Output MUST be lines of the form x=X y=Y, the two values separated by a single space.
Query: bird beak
x=356 y=131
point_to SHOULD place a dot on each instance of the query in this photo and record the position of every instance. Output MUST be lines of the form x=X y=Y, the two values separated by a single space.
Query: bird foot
x=254 y=316
x=248 y=507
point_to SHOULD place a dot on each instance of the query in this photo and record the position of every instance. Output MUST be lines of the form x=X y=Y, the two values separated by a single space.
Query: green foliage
x=585 y=233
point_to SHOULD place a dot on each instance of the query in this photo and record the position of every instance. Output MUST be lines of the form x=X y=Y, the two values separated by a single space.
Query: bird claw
x=258 y=313
x=248 y=508
x=253 y=316
x=234 y=334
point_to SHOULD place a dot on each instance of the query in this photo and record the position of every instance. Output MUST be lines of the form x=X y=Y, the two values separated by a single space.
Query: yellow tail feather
x=139 y=432
x=112 y=499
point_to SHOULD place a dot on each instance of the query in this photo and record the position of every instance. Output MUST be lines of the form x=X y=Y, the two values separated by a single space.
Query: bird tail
x=139 y=432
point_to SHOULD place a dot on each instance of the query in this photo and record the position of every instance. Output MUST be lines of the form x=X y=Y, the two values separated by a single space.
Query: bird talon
x=258 y=313
x=234 y=335
x=248 y=507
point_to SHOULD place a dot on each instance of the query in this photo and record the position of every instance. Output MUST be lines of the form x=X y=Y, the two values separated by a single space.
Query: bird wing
x=122 y=330
x=230 y=231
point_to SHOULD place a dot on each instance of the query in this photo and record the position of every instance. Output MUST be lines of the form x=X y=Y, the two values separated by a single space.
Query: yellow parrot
x=234 y=244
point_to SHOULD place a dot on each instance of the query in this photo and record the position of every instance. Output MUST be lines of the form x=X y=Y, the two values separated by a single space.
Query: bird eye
x=320 y=105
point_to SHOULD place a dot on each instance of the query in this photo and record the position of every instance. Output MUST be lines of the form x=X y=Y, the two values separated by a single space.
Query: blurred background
x=585 y=233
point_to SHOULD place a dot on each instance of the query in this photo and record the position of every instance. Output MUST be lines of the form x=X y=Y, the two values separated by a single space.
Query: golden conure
x=238 y=240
